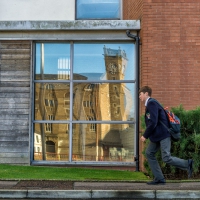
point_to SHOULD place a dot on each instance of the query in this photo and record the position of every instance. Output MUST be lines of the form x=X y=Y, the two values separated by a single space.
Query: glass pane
x=104 y=61
x=104 y=102
x=98 y=9
x=103 y=142
x=52 y=101
x=51 y=142
x=52 y=61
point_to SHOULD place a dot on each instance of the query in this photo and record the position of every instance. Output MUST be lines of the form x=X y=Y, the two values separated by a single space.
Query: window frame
x=87 y=122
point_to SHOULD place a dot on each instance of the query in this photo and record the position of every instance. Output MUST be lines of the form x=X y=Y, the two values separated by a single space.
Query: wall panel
x=14 y=101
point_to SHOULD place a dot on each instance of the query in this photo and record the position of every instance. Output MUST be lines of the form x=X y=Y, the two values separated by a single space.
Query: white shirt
x=146 y=101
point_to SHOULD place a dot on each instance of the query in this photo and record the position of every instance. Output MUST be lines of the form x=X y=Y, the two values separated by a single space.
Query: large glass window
x=98 y=9
x=84 y=100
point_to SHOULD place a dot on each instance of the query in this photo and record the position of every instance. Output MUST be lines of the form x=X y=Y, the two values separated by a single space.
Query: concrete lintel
x=70 y=25
x=84 y=35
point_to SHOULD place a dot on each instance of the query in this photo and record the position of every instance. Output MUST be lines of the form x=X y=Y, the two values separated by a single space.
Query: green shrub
x=187 y=147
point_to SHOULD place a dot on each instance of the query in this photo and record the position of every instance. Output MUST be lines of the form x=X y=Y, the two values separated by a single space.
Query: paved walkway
x=103 y=190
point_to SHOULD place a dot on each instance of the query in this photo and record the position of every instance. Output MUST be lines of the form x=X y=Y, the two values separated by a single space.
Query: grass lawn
x=16 y=172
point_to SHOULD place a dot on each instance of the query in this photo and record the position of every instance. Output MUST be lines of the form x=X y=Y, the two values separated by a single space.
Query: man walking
x=160 y=138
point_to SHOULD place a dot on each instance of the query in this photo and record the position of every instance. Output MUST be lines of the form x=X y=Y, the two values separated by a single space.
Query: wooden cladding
x=15 y=60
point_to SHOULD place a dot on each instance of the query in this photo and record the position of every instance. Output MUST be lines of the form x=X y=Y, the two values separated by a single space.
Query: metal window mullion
x=42 y=72
x=121 y=9
x=137 y=71
x=51 y=81
x=42 y=60
x=104 y=81
x=71 y=101
x=82 y=122
x=85 y=81
x=32 y=100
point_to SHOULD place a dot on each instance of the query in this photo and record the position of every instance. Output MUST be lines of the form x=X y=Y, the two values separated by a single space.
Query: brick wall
x=132 y=9
x=170 y=50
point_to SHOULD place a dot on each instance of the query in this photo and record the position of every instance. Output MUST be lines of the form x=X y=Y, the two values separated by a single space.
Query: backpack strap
x=152 y=99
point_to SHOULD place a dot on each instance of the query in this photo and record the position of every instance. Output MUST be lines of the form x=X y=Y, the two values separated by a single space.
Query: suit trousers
x=165 y=147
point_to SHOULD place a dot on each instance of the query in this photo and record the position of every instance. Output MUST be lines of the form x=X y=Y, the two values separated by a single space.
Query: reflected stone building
x=91 y=102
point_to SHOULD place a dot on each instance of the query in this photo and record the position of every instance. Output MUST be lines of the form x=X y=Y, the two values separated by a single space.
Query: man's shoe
x=190 y=165
x=160 y=182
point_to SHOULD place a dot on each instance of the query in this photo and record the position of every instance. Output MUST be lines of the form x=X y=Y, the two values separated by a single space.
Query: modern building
x=70 y=71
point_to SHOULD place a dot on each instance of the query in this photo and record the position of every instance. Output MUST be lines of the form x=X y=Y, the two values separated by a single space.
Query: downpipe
x=137 y=70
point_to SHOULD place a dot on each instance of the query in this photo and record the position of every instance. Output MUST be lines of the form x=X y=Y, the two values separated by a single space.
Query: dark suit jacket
x=155 y=131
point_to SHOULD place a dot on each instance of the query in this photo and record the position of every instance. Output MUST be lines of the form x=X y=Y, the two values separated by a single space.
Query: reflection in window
x=46 y=102
x=87 y=103
x=36 y=110
x=63 y=68
x=104 y=57
x=98 y=9
x=49 y=102
x=49 y=86
x=48 y=146
x=37 y=139
x=93 y=127
x=100 y=101
x=109 y=143
x=50 y=117
x=36 y=96
x=66 y=104
x=67 y=96
x=117 y=111
x=89 y=87
x=52 y=61
x=48 y=127
x=54 y=104
x=116 y=91
x=107 y=98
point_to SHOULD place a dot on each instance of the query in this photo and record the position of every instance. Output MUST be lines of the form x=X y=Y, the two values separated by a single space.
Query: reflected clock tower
x=115 y=63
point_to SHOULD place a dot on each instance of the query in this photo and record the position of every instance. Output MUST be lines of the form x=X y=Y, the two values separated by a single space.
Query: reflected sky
x=88 y=58
x=52 y=53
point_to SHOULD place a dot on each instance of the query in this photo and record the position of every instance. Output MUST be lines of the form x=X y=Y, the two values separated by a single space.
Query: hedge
x=187 y=147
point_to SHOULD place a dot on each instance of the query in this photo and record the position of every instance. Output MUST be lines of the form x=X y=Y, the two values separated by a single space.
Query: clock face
x=112 y=68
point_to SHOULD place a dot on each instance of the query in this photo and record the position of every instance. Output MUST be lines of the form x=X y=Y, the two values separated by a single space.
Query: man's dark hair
x=146 y=89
